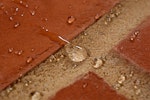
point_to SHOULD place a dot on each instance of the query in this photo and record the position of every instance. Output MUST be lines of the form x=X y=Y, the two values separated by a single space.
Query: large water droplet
x=76 y=53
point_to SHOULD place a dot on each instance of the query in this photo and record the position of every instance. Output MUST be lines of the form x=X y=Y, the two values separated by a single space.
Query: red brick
x=89 y=87
x=136 y=48
x=27 y=34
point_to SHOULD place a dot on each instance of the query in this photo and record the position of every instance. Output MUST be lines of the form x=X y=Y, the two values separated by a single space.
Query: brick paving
x=89 y=87
x=136 y=47
x=22 y=43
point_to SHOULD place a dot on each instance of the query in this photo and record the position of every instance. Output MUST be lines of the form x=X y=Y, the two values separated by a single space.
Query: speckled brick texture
x=136 y=47
x=89 y=87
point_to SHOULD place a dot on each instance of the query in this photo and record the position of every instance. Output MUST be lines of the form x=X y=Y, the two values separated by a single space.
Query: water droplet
x=22 y=15
x=98 y=63
x=76 y=53
x=29 y=60
x=97 y=16
x=26 y=5
x=10 y=50
x=9 y=89
x=20 y=52
x=138 y=91
x=32 y=49
x=2 y=6
x=85 y=85
x=121 y=79
x=6 y=12
x=46 y=30
x=32 y=12
x=21 y=2
x=26 y=84
x=117 y=86
x=17 y=24
x=71 y=19
x=36 y=96
x=11 y=18
x=136 y=33
x=17 y=9
x=44 y=19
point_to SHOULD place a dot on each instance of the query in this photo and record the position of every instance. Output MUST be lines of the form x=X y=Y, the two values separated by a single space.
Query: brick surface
x=89 y=87
x=136 y=47
x=22 y=43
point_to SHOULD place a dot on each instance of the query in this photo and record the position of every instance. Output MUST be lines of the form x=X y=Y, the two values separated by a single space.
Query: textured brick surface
x=136 y=47
x=89 y=87
x=22 y=46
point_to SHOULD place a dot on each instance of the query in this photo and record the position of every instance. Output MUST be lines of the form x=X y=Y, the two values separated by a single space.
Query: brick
x=89 y=87
x=136 y=47
x=22 y=42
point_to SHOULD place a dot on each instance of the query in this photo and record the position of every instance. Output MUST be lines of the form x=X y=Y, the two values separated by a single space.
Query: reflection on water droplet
x=71 y=19
x=17 y=24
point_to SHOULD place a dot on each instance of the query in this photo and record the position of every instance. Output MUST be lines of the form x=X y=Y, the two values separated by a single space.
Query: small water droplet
x=11 y=18
x=22 y=15
x=29 y=60
x=32 y=12
x=76 y=53
x=44 y=19
x=36 y=96
x=121 y=79
x=136 y=33
x=10 y=50
x=6 y=12
x=85 y=85
x=98 y=63
x=138 y=91
x=32 y=49
x=46 y=30
x=97 y=16
x=21 y=2
x=17 y=9
x=17 y=24
x=26 y=5
x=71 y=19
x=20 y=52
